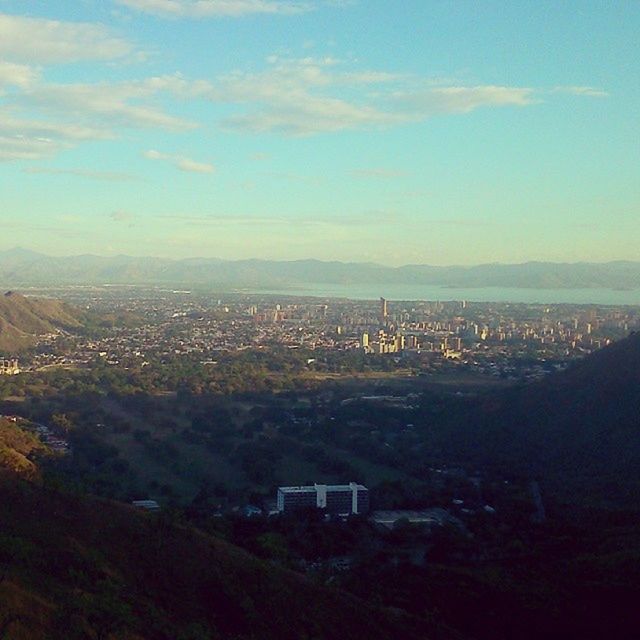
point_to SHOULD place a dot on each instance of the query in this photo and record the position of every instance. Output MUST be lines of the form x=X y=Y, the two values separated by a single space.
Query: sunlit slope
x=22 y=319
x=18 y=450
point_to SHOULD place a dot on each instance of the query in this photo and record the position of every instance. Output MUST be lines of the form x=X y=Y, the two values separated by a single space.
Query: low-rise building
x=9 y=367
x=146 y=505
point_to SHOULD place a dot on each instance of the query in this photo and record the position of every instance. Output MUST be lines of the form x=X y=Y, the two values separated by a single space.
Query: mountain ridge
x=22 y=266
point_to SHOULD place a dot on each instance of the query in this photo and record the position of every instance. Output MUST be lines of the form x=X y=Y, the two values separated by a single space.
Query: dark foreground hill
x=78 y=567
x=22 y=319
x=577 y=431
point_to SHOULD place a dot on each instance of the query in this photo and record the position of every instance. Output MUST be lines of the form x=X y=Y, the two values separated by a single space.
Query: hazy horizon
x=49 y=254
x=431 y=133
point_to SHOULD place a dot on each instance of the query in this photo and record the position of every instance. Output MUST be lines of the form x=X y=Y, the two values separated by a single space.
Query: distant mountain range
x=23 y=319
x=24 y=267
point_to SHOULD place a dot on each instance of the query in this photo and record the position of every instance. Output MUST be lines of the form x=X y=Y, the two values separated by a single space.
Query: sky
x=421 y=131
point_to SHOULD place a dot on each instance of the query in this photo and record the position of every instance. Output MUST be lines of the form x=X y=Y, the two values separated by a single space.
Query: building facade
x=342 y=500
x=9 y=367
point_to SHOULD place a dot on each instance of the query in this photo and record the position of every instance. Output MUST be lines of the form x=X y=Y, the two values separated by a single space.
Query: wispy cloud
x=109 y=176
x=108 y=104
x=16 y=75
x=319 y=95
x=288 y=96
x=216 y=8
x=378 y=172
x=37 y=40
x=29 y=139
x=592 y=92
x=293 y=177
x=181 y=162
x=299 y=97
x=333 y=221
x=121 y=216
x=455 y=99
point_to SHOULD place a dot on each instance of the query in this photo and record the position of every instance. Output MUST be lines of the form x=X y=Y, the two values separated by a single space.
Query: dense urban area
x=512 y=341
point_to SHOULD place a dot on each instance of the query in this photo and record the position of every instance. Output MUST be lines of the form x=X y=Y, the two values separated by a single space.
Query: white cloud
x=591 y=92
x=16 y=75
x=62 y=115
x=455 y=99
x=109 y=176
x=23 y=127
x=121 y=216
x=36 y=40
x=378 y=172
x=181 y=162
x=293 y=97
x=107 y=104
x=314 y=95
x=25 y=148
x=28 y=139
x=215 y=8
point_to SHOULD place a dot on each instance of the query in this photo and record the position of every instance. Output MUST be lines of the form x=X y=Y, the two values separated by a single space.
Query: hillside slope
x=76 y=567
x=579 y=430
x=22 y=319
x=17 y=450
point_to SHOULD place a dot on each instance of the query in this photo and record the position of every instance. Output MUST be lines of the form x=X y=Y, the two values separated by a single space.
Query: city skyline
x=434 y=133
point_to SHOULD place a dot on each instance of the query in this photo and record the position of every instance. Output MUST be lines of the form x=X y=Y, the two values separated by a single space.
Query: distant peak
x=20 y=252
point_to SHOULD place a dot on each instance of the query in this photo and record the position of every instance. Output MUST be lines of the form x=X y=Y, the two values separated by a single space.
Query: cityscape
x=506 y=340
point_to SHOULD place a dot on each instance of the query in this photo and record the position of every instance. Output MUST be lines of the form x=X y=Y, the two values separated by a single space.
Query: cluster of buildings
x=487 y=336
x=9 y=367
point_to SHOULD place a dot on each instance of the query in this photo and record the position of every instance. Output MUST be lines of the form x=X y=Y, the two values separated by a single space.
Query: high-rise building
x=384 y=310
x=342 y=499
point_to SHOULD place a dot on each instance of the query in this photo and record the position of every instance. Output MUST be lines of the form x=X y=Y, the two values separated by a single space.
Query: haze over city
x=426 y=132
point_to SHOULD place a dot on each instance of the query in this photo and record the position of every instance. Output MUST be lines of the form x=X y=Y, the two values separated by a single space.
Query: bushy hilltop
x=578 y=431
x=18 y=448
x=78 y=567
x=22 y=319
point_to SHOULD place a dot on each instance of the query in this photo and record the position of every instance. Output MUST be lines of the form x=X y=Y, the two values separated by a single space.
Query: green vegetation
x=18 y=449
x=76 y=567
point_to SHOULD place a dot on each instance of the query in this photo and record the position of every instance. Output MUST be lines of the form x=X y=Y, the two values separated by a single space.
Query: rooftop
x=329 y=487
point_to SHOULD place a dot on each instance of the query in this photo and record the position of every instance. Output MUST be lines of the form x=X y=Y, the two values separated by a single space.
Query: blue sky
x=360 y=130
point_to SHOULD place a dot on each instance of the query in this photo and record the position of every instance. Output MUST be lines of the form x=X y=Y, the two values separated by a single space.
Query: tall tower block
x=384 y=311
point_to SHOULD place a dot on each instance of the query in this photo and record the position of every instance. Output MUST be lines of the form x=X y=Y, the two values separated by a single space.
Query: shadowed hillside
x=74 y=567
x=578 y=430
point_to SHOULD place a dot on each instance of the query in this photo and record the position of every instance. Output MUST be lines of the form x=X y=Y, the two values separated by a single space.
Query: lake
x=480 y=294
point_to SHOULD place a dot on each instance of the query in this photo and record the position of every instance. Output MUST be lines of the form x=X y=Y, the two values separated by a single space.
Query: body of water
x=481 y=294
